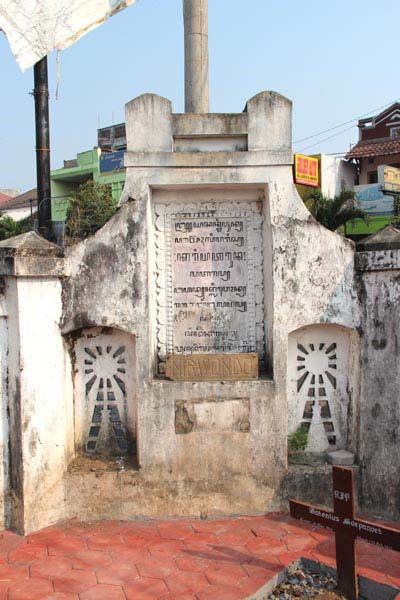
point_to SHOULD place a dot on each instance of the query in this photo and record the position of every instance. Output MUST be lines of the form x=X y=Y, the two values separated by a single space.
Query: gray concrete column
x=195 y=18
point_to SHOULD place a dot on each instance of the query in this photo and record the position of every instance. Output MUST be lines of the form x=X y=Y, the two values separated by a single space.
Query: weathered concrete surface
x=379 y=453
x=308 y=278
x=38 y=394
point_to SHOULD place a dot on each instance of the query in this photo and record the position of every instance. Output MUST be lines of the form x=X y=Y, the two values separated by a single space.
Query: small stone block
x=341 y=457
x=212 y=367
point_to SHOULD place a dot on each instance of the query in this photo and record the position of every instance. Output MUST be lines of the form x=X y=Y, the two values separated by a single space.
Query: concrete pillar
x=39 y=386
x=148 y=121
x=270 y=122
x=195 y=18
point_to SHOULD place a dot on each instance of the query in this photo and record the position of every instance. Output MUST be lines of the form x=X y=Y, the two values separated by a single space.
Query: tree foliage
x=89 y=209
x=9 y=228
x=337 y=211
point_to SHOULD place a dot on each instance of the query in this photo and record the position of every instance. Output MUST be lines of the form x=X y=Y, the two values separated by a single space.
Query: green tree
x=89 y=209
x=335 y=212
x=8 y=227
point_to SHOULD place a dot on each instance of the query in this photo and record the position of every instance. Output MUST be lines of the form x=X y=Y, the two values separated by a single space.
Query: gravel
x=304 y=584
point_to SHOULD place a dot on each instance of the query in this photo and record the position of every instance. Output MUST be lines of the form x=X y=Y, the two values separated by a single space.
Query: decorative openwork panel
x=318 y=385
x=209 y=278
x=105 y=403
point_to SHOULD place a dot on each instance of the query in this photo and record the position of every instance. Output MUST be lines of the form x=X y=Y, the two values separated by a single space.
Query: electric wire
x=309 y=137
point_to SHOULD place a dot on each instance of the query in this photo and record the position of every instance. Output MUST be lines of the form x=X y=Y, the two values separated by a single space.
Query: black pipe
x=41 y=95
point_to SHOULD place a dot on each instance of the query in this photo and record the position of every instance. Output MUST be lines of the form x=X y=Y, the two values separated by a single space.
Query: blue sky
x=335 y=60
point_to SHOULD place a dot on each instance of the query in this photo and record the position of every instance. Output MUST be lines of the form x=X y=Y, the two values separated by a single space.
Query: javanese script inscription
x=210 y=293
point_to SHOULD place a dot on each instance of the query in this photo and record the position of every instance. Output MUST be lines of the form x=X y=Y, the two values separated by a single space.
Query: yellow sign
x=389 y=178
x=306 y=170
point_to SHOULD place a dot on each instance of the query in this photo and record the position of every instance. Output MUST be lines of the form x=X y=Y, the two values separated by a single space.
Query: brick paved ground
x=168 y=560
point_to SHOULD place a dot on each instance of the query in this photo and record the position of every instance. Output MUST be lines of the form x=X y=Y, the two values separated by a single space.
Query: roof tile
x=378 y=147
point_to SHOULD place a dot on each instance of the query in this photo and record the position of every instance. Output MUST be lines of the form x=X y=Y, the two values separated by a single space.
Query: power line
x=344 y=123
x=327 y=138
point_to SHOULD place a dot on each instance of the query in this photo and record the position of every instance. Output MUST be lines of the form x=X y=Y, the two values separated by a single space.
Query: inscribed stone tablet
x=210 y=259
x=217 y=367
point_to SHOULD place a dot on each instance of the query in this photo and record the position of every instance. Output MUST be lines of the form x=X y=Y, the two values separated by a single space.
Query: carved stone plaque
x=217 y=367
x=209 y=279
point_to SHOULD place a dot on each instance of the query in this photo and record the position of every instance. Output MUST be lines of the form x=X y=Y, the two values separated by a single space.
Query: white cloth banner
x=36 y=27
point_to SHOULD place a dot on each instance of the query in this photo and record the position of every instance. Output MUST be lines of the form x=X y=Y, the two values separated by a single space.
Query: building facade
x=378 y=144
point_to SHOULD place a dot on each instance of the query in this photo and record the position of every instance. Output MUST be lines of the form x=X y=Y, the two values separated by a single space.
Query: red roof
x=4 y=198
x=378 y=147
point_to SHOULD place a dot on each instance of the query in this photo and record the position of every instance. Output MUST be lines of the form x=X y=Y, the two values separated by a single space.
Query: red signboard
x=306 y=170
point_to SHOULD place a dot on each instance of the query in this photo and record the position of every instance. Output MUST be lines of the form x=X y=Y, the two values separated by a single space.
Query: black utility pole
x=41 y=95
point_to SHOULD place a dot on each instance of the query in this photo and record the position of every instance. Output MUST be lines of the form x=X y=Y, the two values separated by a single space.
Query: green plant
x=337 y=211
x=89 y=209
x=297 y=440
x=9 y=228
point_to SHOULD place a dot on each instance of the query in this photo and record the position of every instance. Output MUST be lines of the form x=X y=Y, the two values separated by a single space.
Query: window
x=373 y=177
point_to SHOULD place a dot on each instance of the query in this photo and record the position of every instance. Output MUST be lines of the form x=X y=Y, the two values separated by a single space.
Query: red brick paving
x=228 y=559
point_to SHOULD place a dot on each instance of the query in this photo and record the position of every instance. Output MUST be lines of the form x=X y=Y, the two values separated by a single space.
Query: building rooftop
x=22 y=200
x=4 y=199
x=378 y=147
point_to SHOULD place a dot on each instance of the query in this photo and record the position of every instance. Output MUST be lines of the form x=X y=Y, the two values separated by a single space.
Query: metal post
x=41 y=95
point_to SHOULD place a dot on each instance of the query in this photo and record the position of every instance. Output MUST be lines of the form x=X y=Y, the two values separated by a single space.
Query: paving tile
x=133 y=541
x=49 y=535
x=202 y=541
x=169 y=560
x=186 y=582
x=104 y=592
x=141 y=536
x=205 y=526
x=117 y=574
x=296 y=542
x=374 y=574
x=377 y=563
x=10 y=540
x=323 y=558
x=3 y=592
x=220 y=592
x=90 y=560
x=191 y=562
x=166 y=547
x=67 y=547
x=26 y=553
x=129 y=555
x=156 y=567
x=253 y=584
x=236 y=536
x=174 y=530
x=105 y=541
x=172 y=596
x=145 y=588
x=74 y=581
x=264 y=528
x=30 y=589
x=226 y=575
x=50 y=566
x=262 y=569
x=262 y=546
x=10 y=573
x=60 y=596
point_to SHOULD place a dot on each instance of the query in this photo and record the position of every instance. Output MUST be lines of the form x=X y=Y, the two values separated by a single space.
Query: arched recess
x=105 y=403
x=323 y=383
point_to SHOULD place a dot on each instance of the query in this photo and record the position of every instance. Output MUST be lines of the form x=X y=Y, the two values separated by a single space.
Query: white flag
x=36 y=27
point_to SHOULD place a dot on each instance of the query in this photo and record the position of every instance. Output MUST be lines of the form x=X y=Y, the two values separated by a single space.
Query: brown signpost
x=347 y=528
